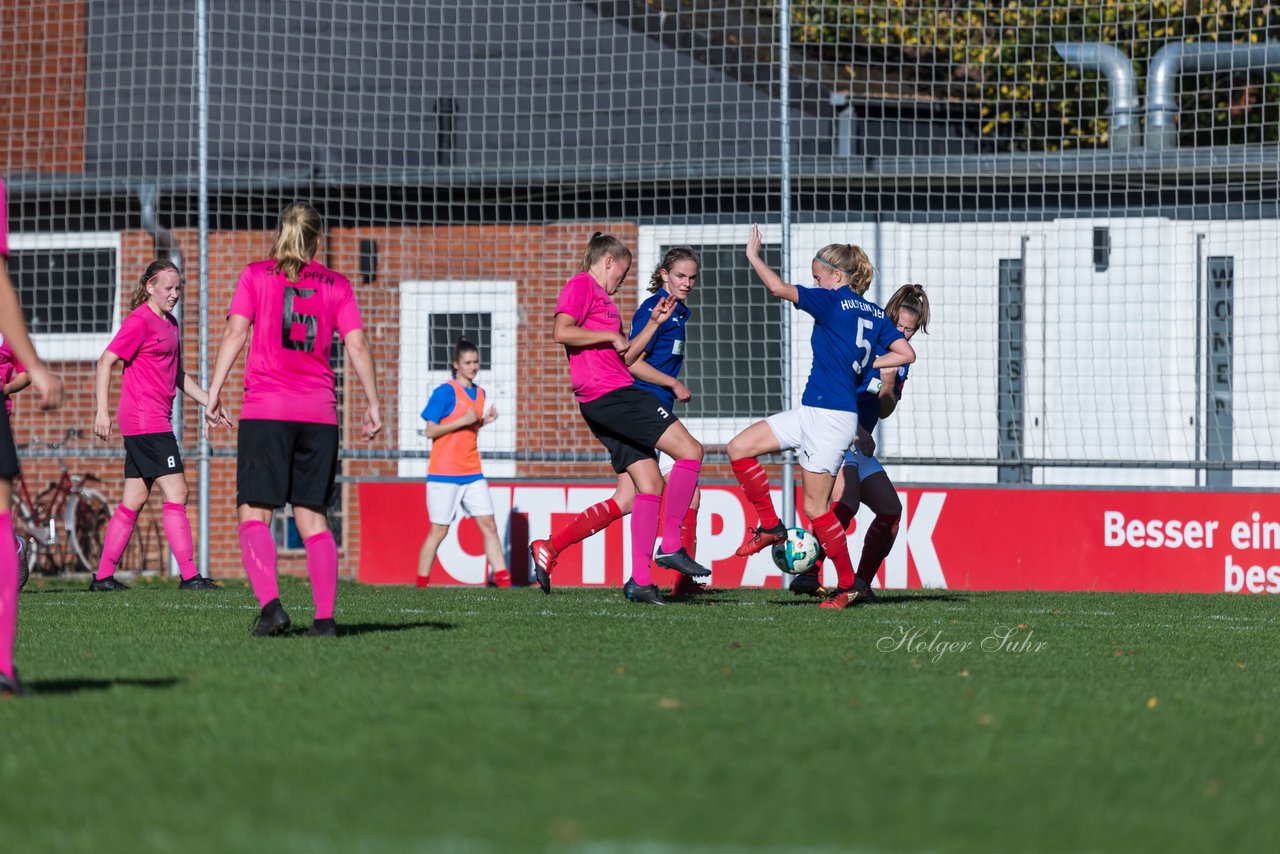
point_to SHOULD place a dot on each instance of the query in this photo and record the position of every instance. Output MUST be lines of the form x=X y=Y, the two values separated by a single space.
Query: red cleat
x=847 y=597
x=543 y=559
x=686 y=586
x=424 y=581
x=502 y=578
x=761 y=539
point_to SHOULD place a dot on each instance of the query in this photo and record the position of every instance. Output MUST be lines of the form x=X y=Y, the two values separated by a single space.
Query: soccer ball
x=798 y=553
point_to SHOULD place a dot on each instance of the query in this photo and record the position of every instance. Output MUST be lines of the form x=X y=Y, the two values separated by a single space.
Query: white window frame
x=710 y=431
x=498 y=373
x=79 y=346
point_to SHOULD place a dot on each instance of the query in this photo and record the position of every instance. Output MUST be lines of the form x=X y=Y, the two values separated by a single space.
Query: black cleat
x=808 y=585
x=198 y=582
x=11 y=686
x=680 y=561
x=868 y=595
x=272 y=621
x=649 y=595
x=323 y=629
x=109 y=583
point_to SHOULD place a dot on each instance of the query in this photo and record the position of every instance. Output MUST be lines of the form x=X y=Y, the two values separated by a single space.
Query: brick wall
x=42 y=61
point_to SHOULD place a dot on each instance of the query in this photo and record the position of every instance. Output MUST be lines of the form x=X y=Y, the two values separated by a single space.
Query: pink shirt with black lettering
x=287 y=375
x=150 y=346
x=597 y=369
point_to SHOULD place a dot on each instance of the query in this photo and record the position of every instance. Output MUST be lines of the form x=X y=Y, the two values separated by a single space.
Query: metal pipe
x=1176 y=57
x=202 y=165
x=784 y=155
x=1122 y=87
x=165 y=241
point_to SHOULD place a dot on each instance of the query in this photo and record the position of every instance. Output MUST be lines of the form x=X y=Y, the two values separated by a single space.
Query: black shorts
x=8 y=451
x=628 y=422
x=151 y=455
x=286 y=462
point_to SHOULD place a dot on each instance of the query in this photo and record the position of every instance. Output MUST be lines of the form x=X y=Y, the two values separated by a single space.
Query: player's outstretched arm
x=192 y=389
x=772 y=281
x=47 y=385
x=234 y=336
x=637 y=345
x=357 y=345
x=20 y=381
x=566 y=331
x=900 y=353
x=102 y=394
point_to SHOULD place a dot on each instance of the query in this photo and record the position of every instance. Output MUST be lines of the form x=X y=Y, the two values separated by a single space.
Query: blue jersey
x=666 y=348
x=848 y=334
x=869 y=402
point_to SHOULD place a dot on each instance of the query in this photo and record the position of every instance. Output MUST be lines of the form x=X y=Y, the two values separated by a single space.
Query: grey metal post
x=202 y=165
x=784 y=150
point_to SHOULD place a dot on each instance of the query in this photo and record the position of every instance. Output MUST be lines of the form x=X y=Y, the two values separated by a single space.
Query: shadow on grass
x=896 y=598
x=352 y=629
x=706 y=597
x=72 y=686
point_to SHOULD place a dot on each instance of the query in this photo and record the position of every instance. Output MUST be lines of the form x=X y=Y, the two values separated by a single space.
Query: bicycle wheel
x=87 y=516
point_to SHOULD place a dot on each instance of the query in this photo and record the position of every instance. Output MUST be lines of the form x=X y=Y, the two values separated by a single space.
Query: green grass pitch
x=505 y=720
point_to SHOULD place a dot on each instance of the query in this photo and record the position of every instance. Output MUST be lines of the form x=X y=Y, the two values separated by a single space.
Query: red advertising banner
x=950 y=537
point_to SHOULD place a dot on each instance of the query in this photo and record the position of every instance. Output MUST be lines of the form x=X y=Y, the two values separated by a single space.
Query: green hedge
x=1000 y=56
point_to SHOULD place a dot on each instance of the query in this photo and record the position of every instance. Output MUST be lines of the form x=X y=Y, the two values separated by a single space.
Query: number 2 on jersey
x=291 y=317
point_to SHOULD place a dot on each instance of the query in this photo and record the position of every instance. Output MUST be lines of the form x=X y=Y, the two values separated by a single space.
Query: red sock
x=876 y=546
x=595 y=518
x=177 y=530
x=830 y=533
x=116 y=540
x=322 y=568
x=258 y=551
x=755 y=485
x=689 y=532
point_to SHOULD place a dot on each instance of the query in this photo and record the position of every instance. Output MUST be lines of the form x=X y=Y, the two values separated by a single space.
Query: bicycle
x=82 y=511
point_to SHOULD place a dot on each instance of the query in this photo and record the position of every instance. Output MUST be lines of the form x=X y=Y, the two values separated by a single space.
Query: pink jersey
x=598 y=369
x=10 y=367
x=287 y=375
x=150 y=346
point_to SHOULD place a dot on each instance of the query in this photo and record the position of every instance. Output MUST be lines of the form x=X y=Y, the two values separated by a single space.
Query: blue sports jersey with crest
x=666 y=348
x=869 y=402
x=848 y=334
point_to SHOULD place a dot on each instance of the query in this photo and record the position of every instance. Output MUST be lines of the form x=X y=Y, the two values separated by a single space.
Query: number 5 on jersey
x=863 y=344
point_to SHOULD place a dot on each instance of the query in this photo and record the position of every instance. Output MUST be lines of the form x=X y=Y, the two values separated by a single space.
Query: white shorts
x=665 y=464
x=866 y=466
x=821 y=436
x=444 y=499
